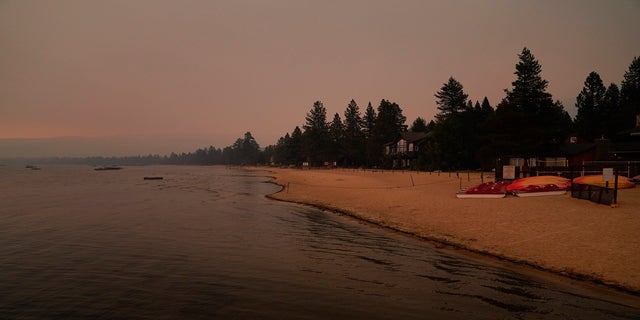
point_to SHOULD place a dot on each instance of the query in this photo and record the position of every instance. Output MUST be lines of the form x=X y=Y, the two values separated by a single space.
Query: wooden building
x=405 y=151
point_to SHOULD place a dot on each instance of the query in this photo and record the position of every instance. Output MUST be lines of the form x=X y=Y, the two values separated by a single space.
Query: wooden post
x=412 y=184
x=615 y=191
x=571 y=179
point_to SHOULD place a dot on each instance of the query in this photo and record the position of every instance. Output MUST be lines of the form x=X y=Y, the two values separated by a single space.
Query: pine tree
x=630 y=96
x=316 y=134
x=451 y=98
x=295 y=155
x=419 y=125
x=591 y=110
x=529 y=89
x=528 y=122
x=336 y=134
x=611 y=108
x=454 y=137
x=246 y=150
x=354 y=139
x=477 y=107
x=486 y=106
x=390 y=121
x=388 y=126
x=370 y=117
x=369 y=120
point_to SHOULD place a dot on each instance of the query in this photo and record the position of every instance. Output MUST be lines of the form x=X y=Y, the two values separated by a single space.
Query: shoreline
x=395 y=219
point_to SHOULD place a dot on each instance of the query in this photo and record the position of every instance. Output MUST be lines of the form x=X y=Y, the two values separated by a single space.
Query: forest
x=463 y=135
x=467 y=135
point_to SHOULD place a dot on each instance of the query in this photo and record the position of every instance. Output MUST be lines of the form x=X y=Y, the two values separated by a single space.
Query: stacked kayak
x=539 y=186
x=598 y=180
x=485 y=190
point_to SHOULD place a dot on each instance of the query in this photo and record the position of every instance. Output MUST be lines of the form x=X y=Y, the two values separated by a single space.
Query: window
x=402 y=146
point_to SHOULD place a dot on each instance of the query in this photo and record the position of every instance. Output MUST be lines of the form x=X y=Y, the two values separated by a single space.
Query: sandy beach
x=567 y=236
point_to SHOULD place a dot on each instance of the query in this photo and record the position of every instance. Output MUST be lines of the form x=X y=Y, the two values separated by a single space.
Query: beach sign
x=508 y=172
x=607 y=174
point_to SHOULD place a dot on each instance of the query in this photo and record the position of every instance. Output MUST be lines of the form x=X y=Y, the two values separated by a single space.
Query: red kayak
x=485 y=190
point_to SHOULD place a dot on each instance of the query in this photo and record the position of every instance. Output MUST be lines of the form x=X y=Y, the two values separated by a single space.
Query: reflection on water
x=204 y=243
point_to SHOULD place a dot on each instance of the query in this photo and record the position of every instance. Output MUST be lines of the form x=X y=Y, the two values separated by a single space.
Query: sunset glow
x=218 y=69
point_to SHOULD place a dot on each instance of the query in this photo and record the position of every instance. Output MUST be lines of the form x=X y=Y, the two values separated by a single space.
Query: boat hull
x=597 y=180
x=480 y=195
x=547 y=182
x=540 y=194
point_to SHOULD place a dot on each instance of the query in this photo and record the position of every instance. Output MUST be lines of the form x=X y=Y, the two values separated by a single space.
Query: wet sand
x=567 y=236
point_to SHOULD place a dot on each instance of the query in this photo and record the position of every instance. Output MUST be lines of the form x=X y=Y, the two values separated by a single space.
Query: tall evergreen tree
x=388 y=126
x=246 y=150
x=419 y=125
x=354 y=138
x=529 y=92
x=370 y=117
x=316 y=134
x=486 y=106
x=369 y=121
x=528 y=122
x=611 y=107
x=295 y=155
x=630 y=96
x=281 y=151
x=477 y=107
x=336 y=134
x=451 y=98
x=454 y=137
x=591 y=110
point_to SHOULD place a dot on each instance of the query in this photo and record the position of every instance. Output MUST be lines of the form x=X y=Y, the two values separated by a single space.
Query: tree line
x=467 y=135
x=463 y=134
x=245 y=151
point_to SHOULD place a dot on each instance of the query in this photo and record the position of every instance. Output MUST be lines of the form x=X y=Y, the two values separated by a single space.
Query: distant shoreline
x=556 y=234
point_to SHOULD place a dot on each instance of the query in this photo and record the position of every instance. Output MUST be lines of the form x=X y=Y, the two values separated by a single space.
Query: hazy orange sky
x=178 y=75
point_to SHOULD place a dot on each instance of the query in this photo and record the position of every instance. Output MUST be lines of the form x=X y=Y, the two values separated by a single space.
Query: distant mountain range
x=99 y=146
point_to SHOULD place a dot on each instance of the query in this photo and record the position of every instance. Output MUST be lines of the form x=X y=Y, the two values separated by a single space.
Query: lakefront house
x=405 y=150
x=587 y=156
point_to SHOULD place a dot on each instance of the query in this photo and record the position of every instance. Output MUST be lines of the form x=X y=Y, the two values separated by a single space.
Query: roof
x=411 y=137
x=415 y=136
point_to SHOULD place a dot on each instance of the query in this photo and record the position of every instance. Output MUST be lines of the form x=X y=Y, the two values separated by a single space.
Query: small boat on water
x=598 y=180
x=153 y=178
x=487 y=190
x=539 y=186
x=32 y=167
x=106 y=168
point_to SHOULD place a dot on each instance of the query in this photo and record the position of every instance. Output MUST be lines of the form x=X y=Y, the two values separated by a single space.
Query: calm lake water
x=205 y=243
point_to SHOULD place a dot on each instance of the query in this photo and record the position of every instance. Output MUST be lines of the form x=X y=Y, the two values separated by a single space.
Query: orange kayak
x=558 y=183
x=597 y=180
